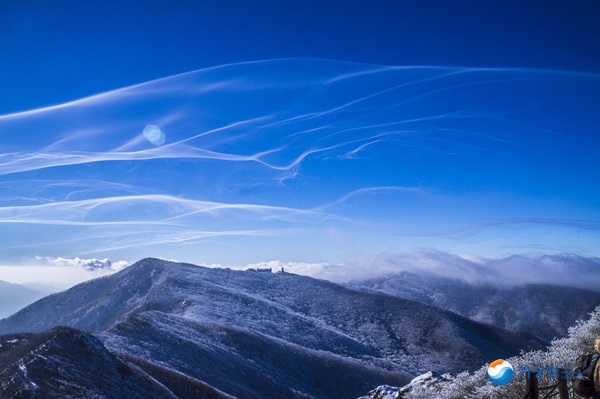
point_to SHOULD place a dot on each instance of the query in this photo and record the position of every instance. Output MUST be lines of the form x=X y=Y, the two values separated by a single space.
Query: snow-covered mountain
x=13 y=297
x=546 y=311
x=253 y=334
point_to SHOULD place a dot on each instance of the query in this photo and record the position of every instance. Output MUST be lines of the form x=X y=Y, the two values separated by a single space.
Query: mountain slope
x=542 y=310
x=562 y=352
x=67 y=363
x=242 y=362
x=254 y=333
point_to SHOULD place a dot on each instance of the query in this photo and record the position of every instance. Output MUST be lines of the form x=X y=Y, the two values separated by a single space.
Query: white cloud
x=556 y=269
x=86 y=264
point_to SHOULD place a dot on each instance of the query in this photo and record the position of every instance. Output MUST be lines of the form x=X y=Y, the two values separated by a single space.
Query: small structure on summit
x=258 y=269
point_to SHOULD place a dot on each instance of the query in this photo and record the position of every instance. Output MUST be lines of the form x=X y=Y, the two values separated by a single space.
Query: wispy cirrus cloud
x=297 y=156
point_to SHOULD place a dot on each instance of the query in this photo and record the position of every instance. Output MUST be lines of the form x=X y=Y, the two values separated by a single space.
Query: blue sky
x=219 y=132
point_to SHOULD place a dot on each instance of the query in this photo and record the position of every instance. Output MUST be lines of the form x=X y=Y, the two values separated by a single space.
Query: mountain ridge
x=273 y=332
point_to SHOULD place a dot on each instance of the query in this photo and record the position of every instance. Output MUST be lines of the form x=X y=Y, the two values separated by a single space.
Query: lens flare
x=153 y=134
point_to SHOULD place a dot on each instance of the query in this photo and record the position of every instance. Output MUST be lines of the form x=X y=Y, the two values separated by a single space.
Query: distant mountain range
x=545 y=311
x=14 y=297
x=248 y=334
